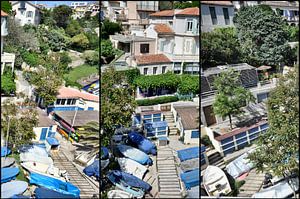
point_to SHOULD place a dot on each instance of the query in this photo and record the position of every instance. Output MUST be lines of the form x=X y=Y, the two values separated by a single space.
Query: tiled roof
x=163 y=28
x=3 y=14
x=221 y=3
x=65 y=92
x=164 y=13
x=82 y=117
x=239 y=130
x=188 y=117
x=44 y=120
x=190 y=11
x=152 y=59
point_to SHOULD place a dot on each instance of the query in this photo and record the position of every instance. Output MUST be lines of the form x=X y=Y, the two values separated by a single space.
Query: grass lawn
x=80 y=72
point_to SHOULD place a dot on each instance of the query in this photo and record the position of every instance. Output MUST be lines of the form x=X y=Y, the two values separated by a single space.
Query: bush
x=206 y=141
x=91 y=57
x=158 y=100
x=72 y=84
x=189 y=85
x=31 y=58
x=8 y=85
x=93 y=40
x=167 y=80
x=80 y=42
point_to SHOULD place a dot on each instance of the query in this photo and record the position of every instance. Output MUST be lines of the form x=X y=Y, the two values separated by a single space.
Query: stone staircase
x=216 y=159
x=168 y=180
x=253 y=184
x=169 y=118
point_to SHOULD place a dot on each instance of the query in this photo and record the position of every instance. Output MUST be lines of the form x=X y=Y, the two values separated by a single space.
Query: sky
x=57 y=3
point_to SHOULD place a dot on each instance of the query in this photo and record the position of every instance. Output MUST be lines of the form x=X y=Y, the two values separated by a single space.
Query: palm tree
x=89 y=136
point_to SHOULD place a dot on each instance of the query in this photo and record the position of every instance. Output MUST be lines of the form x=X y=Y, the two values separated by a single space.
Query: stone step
x=171 y=173
x=168 y=182
x=169 y=195
x=170 y=177
x=175 y=190
x=167 y=168
x=166 y=162
x=169 y=186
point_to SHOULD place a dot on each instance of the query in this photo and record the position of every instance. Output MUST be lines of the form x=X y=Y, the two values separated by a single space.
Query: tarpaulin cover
x=54 y=184
x=35 y=149
x=13 y=188
x=135 y=154
x=93 y=169
x=189 y=165
x=5 y=151
x=104 y=153
x=120 y=177
x=52 y=141
x=190 y=178
x=8 y=174
x=142 y=143
x=190 y=153
x=239 y=166
x=19 y=196
x=42 y=192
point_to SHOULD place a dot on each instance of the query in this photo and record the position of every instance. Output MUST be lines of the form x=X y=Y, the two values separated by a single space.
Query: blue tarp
x=158 y=124
x=93 y=169
x=54 y=184
x=8 y=174
x=142 y=143
x=19 y=196
x=42 y=192
x=5 y=151
x=104 y=153
x=52 y=141
x=190 y=153
x=190 y=178
x=124 y=178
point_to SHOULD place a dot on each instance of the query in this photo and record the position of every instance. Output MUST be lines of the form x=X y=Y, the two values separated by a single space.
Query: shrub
x=158 y=100
x=189 y=85
x=80 y=42
x=8 y=85
x=31 y=58
x=167 y=80
x=206 y=141
x=91 y=57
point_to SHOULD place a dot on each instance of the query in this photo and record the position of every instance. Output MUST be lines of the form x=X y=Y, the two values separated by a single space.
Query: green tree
x=91 y=57
x=186 y=4
x=117 y=103
x=219 y=47
x=107 y=50
x=46 y=84
x=61 y=15
x=230 y=95
x=261 y=35
x=8 y=85
x=165 y=5
x=73 y=28
x=80 y=42
x=47 y=18
x=6 y=6
x=93 y=40
x=18 y=122
x=109 y=28
x=89 y=136
x=54 y=39
x=278 y=148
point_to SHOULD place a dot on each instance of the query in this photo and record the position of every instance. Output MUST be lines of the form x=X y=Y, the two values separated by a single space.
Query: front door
x=44 y=133
x=209 y=115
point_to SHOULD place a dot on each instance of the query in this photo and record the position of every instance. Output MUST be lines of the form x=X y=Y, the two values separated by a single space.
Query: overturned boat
x=13 y=188
x=215 y=181
x=42 y=192
x=31 y=157
x=135 y=154
x=118 y=194
x=93 y=170
x=142 y=143
x=8 y=174
x=132 y=167
x=7 y=161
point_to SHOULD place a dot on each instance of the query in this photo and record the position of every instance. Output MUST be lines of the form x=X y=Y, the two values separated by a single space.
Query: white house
x=45 y=128
x=6 y=58
x=216 y=14
x=26 y=12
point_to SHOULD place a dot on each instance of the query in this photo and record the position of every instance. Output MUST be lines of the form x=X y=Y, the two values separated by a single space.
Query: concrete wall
x=137 y=50
x=38 y=131
x=188 y=139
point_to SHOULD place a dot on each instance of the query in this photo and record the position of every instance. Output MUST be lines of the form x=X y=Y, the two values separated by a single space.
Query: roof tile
x=190 y=11
x=164 y=13
x=65 y=92
x=163 y=28
x=222 y=3
x=152 y=59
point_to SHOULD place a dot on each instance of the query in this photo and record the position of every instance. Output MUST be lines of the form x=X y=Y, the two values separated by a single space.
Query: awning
x=52 y=141
x=190 y=153
x=190 y=178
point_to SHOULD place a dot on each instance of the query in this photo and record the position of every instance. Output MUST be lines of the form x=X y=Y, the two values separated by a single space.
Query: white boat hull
x=31 y=157
x=132 y=167
x=118 y=194
x=215 y=181
x=7 y=162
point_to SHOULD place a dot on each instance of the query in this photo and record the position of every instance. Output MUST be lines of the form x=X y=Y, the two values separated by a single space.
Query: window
x=154 y=70
x=144 y=48
x=69 y=101
x=22 y=5
x=189 y=26
x=58 y=101
x=226 y=16
x=163 y=70
x=213 y=15
x=63 y=101
x=29 y=14
x=145 y=71
x=73 y=101
x=195 y=134
x=188 y=44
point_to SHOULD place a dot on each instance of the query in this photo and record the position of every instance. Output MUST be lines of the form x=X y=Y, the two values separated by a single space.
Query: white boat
x=240 y=165
x=46 y=170
x=132 y=167
x=215 y=181
x=7 y=161
x=31 y=157
x=118 y=194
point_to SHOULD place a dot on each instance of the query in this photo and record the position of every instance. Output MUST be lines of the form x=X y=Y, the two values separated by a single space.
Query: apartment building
x=26 y=13
x=6 y=58
x=216 y=14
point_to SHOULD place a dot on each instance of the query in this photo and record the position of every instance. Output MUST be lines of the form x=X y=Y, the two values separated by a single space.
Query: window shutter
x=161 y=47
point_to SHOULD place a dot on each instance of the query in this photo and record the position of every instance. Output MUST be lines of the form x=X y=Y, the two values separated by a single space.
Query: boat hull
x=142 y=143
x=31 y=157
x=132 y=167
x=10 y=189
x=118 y=194
x=135 y=154
x=7 y=162
x=8 y=174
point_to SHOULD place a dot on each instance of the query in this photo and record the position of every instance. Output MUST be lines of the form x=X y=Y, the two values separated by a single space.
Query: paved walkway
x=168 y=180
x=252 y=185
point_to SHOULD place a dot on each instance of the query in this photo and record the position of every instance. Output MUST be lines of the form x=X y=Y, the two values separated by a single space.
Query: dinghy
x=132 y=167
x=54 y=184
x=92 y=170
x=129 y=183
x=5 y=151
x=44 y=169
x=7 y=162
x=135 y=154
x=142 y=143
x=215 y=181
x=30 y=157
x=8 y=174
x=42 y=192
x=12 y=188
x=118 y=194
x=35 y=149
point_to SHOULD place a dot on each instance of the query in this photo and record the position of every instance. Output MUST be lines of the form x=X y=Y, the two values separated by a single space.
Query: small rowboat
x=8 y=174
x=132 y=167
x=12 y=188
x=118 y=194
x=135 y=154
x=7 y=162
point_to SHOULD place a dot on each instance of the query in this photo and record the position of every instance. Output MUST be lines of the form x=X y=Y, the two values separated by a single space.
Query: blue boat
x=8 y=174
x=104 y=153
x=129 y=183
x=142 y=143
x=54 y=184
x=5 y=151
x=93 y=169
x=42 y=192
x=135 y=154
